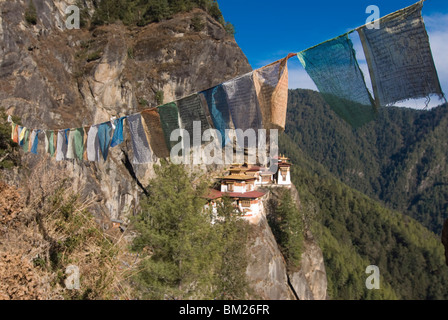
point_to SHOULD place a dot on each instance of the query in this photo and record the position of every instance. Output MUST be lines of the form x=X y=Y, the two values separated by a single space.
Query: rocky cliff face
x=54 y=78
x=271 y=279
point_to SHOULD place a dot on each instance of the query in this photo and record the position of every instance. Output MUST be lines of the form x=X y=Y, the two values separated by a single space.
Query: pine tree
x=178 y=237
x=157 y=11
x=232 y=282
x=287 y=226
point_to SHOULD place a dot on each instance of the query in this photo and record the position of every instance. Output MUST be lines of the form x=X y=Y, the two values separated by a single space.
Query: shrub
x=287 y=226
x=197 y=23
x=31 y=13
x=230 y=29
x=143 y=102
x=94 y=56
x=159 y=97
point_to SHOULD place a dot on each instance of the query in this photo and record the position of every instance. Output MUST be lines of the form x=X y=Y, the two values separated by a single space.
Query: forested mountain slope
x=355 y=231
x=400 y=158
x=399 y=161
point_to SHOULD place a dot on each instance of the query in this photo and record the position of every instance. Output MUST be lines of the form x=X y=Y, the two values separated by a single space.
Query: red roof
x=215 y=194
x=250 y=194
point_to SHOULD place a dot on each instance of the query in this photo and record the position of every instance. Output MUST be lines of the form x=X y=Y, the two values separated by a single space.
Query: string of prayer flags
x=400 y=66
x=271 y=85
x=169 y=118
x=399 y=57
x=334 y=69
x=140 y=145
x=218 y=107
x=233 y=104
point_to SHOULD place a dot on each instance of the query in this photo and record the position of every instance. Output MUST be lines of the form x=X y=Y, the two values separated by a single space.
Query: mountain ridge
x=395 y=158
x=332 y=174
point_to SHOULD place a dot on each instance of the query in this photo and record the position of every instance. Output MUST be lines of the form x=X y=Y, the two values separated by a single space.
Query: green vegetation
x=31 y=13
x=143 y=102
x=143 y=12
x=400 y=158
x=353 y=230
x=68 y=235
x=77 y=233
x=9 y=155
x=186 y=256
x=233 y=243
x=230 y=29
x=94 y=56
x=197 y=23
x=131 y=54
x=287 y=226
x=83 y=14
x=159 y=97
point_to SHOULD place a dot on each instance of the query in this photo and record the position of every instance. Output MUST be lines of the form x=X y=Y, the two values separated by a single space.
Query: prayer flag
x=34 y=141
x=93 y=144
x=117 y=138
x=104 y=137
x=219 y=110
x=192 y=109
x=271 y=85
x=140 y=145
x=169 y=118
x=61 y=146
x=243 y=102
x=399 y=57
x=154 y=132
x=334 y=69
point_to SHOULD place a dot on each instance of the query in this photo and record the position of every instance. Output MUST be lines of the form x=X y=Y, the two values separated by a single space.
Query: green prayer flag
x=334 y=69
x=26 y=140
x=78 y=138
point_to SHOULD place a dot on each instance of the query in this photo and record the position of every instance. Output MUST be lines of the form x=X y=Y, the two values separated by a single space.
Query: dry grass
x=46 y=227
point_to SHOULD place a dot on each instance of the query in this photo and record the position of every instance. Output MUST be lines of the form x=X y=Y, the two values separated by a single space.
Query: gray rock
x=55 y=78
x=267 y=269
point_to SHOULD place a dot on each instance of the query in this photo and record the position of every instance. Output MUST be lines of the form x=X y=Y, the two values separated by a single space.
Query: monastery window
x=245 y=203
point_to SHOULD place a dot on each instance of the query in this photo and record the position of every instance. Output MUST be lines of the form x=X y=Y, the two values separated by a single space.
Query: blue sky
x=268 y=30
